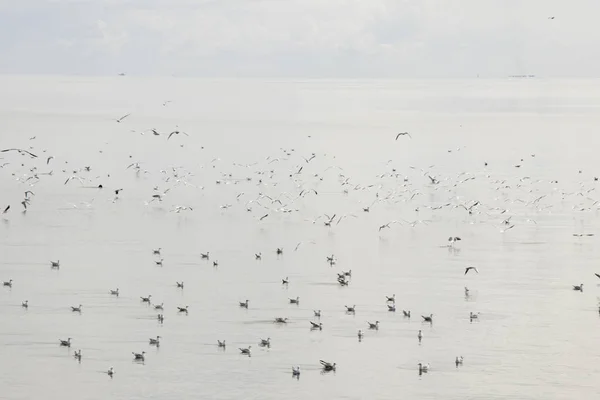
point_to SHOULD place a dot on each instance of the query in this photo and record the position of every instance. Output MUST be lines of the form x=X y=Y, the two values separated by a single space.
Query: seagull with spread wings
x=122 y=118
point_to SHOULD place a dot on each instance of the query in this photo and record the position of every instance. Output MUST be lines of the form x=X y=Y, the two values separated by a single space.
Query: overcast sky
x=303 y=38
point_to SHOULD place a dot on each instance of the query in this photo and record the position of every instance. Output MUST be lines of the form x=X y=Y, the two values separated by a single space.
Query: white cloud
x=301 y=37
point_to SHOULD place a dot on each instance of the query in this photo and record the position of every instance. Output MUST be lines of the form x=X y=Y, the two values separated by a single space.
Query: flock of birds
x=261 y=198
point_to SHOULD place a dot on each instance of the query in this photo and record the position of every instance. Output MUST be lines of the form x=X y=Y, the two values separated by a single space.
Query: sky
x=301 y=38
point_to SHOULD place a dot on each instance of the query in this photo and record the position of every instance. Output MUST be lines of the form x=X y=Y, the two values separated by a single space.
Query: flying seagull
x=403 y=134
x=471 y=268
x=176 y=133
x=20 y=152
x=122 y=118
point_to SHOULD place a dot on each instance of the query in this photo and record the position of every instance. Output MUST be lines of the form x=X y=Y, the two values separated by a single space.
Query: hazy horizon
x=312 y=39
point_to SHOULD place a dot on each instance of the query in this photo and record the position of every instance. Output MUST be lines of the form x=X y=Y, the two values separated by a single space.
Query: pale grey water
x=536 y=338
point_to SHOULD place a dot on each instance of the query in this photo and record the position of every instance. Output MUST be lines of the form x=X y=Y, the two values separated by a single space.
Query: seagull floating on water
x=373 y=326
x=115 y=292
x=328 y=366
x=578 y=287
x=246 y=351
x=76 y=309
x=244 y=304
x=155 y=342
x=146 y=299
x=139 y=356
x=427 y=319
x=65 y=343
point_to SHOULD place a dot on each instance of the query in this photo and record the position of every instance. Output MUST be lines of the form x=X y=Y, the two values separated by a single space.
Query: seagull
x=122 y=118
x=453 y=239
x=575 y=287
x=204 y=255
x=427 y=319
x=155 y=342
x=183 y=309
x=350 y=309
x=317 y=313
x=295 y=301
x=458 y=361
x=279 y=320
x=315 y=325
x=387 y=225
x=9 y=283
x=360 y=335
x=74 y=177
x=115 y=292
x=159 y=306
x=392 y=307
x=244 y=304
x=373 y=326
x=473 y=316
x=25 y=304
x=406 y=313
x=21 y=151
x=246 y=351
x=77 y=355
x=279 y=250
x=139 y=356
x=65 y=343
x=258 y=256
x=327 y=366
x=146 y=299
x=159 y=262
x=420 y=336
x=161 y=318
x=176 y=133
x=296 y=371
x=403 y=134
x=598 y=275
x=76 y=309
x=265 y=343
x=285 y=281
x=48 y=159
x=111 y=372
x=55 y=264
x=221 y=344
x=179 y=284
x=471 y=268
x=423 y=368
x=391 y=299
x=6 y=209
x=156 y=251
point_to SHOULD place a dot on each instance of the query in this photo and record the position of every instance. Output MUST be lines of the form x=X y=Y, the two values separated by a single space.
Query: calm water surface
x=536 y=337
